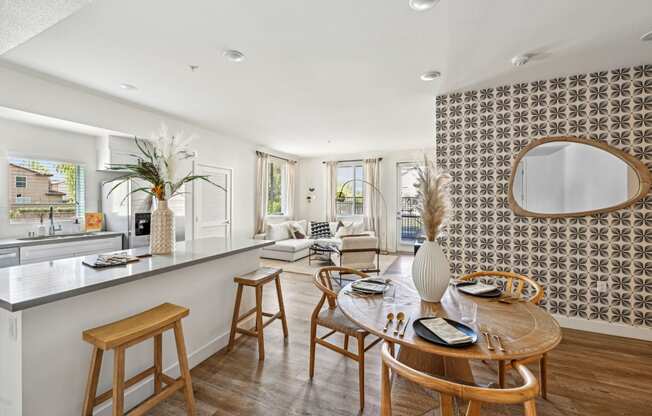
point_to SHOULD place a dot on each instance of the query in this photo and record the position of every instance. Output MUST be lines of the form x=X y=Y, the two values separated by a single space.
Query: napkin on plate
x=477 y=289
x=445 y=331
x=369 y=286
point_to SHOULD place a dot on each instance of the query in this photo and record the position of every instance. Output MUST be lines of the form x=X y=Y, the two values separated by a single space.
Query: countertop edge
x=14 y=242
x=20 y=306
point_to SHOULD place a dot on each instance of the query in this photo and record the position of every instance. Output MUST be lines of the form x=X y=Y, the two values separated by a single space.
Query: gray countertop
x=30 y=285
x=14 y=242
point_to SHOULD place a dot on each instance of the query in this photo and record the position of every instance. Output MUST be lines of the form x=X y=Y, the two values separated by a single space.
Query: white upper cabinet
x=115 y=149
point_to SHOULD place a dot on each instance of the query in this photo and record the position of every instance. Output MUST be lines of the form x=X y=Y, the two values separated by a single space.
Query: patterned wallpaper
x=479 y=134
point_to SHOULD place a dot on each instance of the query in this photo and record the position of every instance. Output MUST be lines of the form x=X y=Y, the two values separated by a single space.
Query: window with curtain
x=350 y=188
x=277 y=187
x=35 y=185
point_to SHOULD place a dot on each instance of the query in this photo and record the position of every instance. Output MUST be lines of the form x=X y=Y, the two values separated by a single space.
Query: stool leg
x=119 y=381
x=236 y=316
x=183 y=368
x=91 y=385
x=158 y=363
x=281 y=306
x=259 y=323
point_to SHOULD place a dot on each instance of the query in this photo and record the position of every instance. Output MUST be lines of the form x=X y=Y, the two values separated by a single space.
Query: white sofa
x=357 y=251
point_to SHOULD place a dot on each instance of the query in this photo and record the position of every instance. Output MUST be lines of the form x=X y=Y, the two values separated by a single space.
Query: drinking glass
x=389 y=295
x=468 y=312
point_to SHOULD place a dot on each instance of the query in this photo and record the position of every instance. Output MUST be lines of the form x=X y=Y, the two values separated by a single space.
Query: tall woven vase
x=162 y=229
x=431 y=272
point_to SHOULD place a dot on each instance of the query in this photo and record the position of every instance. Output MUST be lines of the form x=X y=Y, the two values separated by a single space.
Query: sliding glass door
x=408 y=222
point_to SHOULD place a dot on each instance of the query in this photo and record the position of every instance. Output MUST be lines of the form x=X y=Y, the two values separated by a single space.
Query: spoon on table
x=400 y=316
x=390 y=318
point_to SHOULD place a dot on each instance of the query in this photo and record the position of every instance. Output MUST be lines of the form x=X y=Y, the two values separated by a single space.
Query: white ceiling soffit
x=21 y=20
x=55 y=123
x=328 y=77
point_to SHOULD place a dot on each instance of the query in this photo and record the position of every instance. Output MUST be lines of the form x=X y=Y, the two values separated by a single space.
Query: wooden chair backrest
x=526 y=393
x=324 y=282
x=516 y=283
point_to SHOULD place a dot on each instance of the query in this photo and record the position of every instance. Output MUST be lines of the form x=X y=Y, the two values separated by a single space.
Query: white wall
x=312 y=174
x=26 y=91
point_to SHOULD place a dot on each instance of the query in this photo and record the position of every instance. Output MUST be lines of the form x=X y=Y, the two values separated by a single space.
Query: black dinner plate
x=493 y=294
x=426 y=334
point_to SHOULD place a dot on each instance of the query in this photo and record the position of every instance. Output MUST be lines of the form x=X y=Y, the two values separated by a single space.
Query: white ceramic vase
x=162 y=229
x=431 y=272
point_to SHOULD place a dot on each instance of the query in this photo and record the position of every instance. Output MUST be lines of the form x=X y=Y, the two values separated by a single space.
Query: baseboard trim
x=607 y=328
x=141 y=391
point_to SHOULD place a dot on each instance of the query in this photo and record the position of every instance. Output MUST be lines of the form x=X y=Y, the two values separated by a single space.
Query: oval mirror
x=571 y=177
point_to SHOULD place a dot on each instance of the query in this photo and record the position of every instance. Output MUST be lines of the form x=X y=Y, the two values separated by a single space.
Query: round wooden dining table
x=525 y=329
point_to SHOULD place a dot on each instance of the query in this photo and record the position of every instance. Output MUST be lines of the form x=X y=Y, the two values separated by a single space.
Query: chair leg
x=184 y=368
x=119 y=381
x=346 y=341
x=360 y=339
x=543 y=375
x=501 y=374
x=474 y=408
x=91 y=384
x=446 y=403
x=236 y=316
x=530 y=408
x=313 y=345
x=385 y=391
x=158 y=363
x=259 y=323
x=281 y=306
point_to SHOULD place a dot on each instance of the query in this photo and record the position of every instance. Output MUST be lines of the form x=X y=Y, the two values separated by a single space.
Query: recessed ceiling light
x=647 y=37
x=421 y=5
x=233 y=55
x=193 y=68
x=430 y=75
x=520 y=60
x=128 y=87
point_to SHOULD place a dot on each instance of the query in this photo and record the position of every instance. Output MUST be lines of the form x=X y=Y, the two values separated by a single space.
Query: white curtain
x=371 y=193
x=331 y=191
x=290 y=184
x=262 y=170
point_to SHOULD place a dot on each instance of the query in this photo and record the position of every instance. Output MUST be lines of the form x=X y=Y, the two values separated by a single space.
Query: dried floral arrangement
x=157 y=165
x=432 y=197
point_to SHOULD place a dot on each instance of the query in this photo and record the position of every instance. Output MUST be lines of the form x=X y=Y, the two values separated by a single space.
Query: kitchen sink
x=56 y=236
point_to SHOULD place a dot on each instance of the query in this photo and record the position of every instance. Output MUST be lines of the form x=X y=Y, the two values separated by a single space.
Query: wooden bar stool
x=257 y=279
x=120 y=335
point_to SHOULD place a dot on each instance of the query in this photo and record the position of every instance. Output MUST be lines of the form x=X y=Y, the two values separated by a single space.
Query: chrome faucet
x=53 y=229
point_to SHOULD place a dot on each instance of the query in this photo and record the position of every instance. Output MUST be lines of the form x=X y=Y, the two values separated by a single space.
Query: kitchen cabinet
x=54 y=251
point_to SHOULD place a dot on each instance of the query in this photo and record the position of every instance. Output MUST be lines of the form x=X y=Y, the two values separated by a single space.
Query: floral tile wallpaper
x=478 y=135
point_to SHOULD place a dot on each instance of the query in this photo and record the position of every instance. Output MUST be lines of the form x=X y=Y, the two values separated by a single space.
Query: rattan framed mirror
x=557 y=177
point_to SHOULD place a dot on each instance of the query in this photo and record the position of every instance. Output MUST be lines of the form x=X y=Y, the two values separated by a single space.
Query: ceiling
x=336 y=76
x=20 y=20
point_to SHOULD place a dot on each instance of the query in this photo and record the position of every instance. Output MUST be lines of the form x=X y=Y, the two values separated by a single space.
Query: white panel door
x=212 y=205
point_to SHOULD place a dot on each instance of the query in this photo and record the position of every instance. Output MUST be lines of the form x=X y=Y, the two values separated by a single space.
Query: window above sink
x=38 y=184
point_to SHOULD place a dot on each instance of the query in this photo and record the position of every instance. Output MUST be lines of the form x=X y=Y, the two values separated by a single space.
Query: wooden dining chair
x=333 y=319
x=517 y=286
x=475 y=395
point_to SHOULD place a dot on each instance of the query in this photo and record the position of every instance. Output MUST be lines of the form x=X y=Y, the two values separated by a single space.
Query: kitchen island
x=44 y=308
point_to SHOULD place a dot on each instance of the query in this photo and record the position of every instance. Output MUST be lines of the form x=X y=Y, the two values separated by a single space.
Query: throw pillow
x=344 y=229
x=358 y=227
x=320 y=230
x=278 y=232
x=297 y=230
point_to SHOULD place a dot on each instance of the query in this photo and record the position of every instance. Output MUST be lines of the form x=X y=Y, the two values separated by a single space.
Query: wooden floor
x=589 y=374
